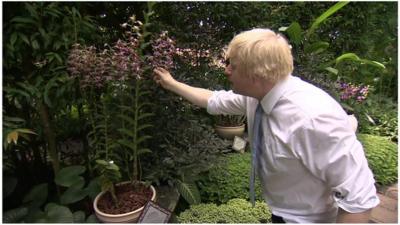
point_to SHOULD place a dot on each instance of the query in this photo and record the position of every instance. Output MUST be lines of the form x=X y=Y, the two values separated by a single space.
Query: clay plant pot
x=230 y=132
x=119 y=218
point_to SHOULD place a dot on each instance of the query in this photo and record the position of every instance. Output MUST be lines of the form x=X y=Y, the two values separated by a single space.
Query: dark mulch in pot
x=130 y=197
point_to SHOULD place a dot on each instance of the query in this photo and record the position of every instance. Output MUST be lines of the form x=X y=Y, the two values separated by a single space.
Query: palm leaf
x=325 y=15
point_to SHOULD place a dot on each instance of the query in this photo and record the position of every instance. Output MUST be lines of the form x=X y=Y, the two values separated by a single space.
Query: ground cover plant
x=234 y=211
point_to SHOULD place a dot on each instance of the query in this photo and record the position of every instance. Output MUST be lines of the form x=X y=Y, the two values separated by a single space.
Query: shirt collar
x=271 y=98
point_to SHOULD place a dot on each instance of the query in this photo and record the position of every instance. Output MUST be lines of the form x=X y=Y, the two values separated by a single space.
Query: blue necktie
x=257 y=145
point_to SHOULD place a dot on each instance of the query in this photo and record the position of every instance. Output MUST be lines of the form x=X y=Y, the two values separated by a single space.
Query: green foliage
x=382 y=157
x=307 y=46
x=189 y=191
x=55 y=213
x=234 y=211
x=379 y=117
x=15 y=215
x=189 y=148
x=229 y=180
x=70 y=176
x=109 y=176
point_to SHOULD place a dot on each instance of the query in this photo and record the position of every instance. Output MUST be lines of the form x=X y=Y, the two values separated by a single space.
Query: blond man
x=305 y=152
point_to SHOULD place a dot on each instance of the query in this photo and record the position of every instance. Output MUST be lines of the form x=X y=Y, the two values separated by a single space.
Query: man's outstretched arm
x=197 y=96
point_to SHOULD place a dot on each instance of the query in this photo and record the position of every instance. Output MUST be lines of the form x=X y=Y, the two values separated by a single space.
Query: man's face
x=241 y=84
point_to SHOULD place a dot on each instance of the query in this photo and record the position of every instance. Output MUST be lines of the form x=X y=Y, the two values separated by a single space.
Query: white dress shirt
x=312 y=162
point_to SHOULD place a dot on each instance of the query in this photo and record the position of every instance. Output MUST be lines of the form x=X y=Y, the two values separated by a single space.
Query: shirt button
x=339 y=195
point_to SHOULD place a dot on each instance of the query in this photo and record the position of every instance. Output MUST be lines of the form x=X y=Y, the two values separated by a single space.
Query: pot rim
x=97 y=210
x=230 y=127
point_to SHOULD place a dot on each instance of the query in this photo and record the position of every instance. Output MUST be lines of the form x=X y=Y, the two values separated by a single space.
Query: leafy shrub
x=383 y=112
x=229 y=180
x=382 y=157
x=235 y=211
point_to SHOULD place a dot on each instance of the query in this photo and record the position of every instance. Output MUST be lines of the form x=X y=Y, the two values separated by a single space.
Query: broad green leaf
x=34 y=214
x=69 y=175
x=37 y=195
x=316 y=47
x=9 y=184
x=325 y=15
x=15 y=215
x=72 y=195
x=57 y=214
x=93 y=188
x=189 y=192
x=92 y=219
x=79 y=217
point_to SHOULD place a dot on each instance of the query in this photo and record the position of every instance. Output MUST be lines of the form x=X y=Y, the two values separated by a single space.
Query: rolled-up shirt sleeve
x=227 y=103
x=330 y=150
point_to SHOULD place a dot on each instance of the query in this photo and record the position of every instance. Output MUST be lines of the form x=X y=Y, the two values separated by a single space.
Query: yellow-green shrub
x=228 y=180
x=234 y=211
x=381 y=154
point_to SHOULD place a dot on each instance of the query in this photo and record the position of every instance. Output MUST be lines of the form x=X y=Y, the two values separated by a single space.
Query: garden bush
x=235 y=211
x=229 y=180
x=381 y=154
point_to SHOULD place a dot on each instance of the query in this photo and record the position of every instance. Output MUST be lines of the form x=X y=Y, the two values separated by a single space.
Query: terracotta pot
x=230 y=132
x=119 y=218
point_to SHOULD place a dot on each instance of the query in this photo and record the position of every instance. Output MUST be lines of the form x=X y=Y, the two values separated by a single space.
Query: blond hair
x=261 y=53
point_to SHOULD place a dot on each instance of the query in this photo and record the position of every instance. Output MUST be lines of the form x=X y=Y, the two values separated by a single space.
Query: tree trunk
x=50 y=136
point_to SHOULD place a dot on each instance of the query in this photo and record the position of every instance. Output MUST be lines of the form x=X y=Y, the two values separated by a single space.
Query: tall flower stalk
x=120 y=73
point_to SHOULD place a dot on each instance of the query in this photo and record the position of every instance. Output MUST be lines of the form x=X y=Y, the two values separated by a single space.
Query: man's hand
x=163 y=78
